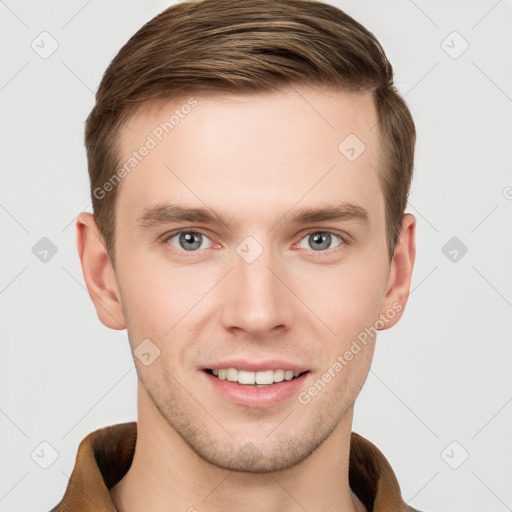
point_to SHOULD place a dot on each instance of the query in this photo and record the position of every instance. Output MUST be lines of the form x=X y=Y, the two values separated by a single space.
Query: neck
x=166 y=474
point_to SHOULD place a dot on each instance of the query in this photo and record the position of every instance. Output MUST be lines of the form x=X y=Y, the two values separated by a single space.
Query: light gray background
x=443 y=374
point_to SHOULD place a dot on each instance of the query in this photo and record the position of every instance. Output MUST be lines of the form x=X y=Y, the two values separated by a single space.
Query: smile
x=261 y=378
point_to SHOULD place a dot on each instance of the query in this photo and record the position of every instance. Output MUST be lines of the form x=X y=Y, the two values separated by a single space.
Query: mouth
x=257 y=379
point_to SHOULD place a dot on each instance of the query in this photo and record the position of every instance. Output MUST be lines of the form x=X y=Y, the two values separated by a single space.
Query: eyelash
x=327 y=252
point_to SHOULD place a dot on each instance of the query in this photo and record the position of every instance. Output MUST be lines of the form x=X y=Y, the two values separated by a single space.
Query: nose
x=257 y=299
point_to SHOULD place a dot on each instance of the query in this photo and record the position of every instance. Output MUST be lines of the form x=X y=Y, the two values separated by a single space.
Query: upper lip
x=254 y=366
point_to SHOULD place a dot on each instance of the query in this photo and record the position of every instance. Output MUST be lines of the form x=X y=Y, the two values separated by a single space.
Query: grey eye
x=320 y=240
x=188 y=240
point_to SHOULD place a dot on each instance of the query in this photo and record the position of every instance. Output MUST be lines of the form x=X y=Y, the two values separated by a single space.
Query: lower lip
x=252 y=396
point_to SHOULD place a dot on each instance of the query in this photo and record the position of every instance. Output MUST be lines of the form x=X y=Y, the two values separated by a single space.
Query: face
x=287 y=271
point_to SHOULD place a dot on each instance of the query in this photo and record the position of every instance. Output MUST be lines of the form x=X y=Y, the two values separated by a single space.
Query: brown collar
x=105 y=455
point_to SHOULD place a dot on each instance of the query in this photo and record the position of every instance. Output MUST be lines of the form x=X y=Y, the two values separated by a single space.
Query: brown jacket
x=105 y=455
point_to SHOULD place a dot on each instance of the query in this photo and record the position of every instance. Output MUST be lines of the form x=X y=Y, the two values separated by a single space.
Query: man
x=250 y=164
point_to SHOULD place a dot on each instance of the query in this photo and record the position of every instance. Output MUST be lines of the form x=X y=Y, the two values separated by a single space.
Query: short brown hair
x=209 y=46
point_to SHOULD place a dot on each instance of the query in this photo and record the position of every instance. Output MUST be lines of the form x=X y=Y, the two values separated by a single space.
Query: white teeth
x=278 y=375
x=246 y=377
x=232 y=374
x=263 y=377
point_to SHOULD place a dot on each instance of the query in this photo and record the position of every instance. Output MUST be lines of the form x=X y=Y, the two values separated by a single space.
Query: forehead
x=251 y=154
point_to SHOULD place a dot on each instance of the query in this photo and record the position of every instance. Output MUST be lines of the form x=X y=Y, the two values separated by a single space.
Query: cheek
x=349 y=305
x=148 y=297
x=160 y=298
x=345 y=297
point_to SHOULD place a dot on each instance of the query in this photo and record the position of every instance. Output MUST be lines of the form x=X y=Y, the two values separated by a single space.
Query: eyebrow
x=166 y=213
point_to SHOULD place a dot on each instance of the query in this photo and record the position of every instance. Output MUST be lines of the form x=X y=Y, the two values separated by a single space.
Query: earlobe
x=400 y=273
x=98 y=273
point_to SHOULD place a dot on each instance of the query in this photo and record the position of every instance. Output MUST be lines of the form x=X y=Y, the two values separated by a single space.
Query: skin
x=254 y=157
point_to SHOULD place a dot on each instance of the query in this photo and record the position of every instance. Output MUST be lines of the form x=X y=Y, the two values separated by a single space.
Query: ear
x=399 y=281
x=98 y=273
